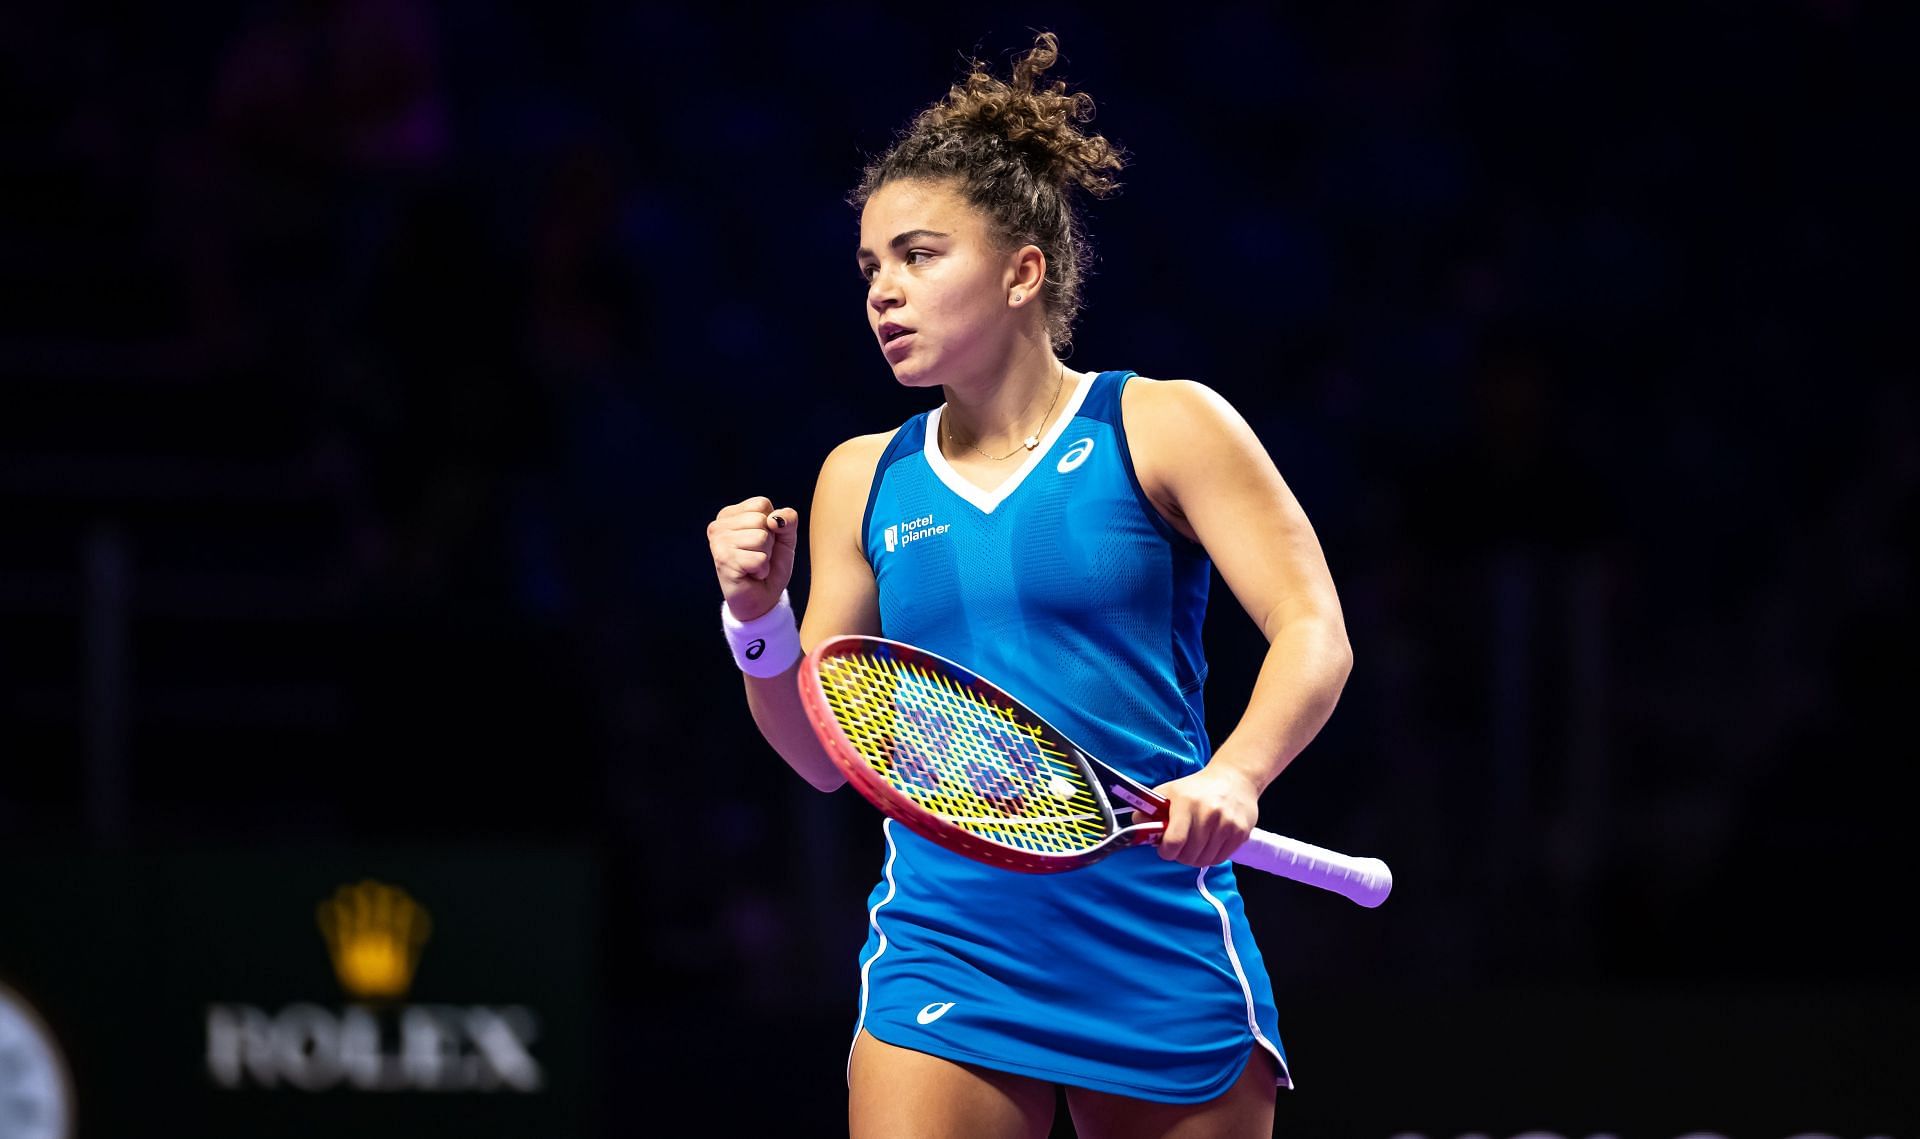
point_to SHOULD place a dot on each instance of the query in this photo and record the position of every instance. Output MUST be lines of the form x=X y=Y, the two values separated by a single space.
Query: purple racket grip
x=1363 y=880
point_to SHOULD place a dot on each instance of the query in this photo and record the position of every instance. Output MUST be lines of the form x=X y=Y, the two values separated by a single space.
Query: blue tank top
x=1065 y=587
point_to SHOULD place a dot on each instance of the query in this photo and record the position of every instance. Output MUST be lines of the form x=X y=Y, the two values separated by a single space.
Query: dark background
x=369 y=370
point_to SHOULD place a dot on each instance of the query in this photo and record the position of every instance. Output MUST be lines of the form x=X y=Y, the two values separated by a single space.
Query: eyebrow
x=906 y=238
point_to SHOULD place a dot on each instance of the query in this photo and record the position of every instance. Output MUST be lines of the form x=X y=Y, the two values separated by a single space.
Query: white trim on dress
x=873 y=919
x=1285 y=1077
x=980 y=497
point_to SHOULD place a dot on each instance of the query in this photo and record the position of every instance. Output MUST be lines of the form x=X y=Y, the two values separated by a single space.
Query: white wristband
x=767 y=645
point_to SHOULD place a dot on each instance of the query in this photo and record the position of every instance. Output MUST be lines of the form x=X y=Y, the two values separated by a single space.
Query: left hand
x=1209 y=814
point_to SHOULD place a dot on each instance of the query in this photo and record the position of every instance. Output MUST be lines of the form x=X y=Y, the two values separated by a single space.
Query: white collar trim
x=985 y=499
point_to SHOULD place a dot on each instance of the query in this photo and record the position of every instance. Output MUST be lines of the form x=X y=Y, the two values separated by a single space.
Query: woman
x=1053 y=530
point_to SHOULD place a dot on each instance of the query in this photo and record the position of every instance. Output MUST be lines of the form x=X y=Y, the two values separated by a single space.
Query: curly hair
x=1016 y=150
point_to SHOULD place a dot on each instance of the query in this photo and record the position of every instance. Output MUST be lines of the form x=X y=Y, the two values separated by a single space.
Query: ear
x=1026 y=275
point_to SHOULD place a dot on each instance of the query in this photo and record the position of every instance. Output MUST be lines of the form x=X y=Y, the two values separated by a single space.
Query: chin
x=913 y=374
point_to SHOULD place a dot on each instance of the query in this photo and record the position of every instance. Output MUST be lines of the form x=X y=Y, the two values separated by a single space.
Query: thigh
x=897 y=1093
x=1243 y=1111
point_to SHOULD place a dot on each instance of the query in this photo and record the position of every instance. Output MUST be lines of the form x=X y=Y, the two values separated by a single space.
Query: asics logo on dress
x=933 y=1012
x=1076 y=454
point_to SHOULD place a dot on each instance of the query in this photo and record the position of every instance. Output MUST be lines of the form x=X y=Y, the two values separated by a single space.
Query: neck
x=997 y=410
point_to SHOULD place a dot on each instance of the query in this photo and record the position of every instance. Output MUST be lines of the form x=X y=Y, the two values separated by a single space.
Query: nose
x=883 y=291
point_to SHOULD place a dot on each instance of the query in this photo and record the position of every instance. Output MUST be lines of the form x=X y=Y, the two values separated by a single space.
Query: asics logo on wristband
x=767 y=645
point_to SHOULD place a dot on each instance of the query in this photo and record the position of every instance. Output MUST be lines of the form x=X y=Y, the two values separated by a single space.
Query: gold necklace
x=1031 y=441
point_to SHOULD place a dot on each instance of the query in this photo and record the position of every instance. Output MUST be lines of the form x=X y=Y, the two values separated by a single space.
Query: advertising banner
x=298 y=992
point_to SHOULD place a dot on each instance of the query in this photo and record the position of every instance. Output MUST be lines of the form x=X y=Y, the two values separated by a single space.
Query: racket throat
x=1131 y=798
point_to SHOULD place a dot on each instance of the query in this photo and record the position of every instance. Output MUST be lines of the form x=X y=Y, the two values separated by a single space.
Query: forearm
x=782 y=719
x=1306 y=666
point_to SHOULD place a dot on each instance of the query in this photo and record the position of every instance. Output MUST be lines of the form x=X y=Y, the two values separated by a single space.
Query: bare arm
x=1210 y=477
x=753 y=547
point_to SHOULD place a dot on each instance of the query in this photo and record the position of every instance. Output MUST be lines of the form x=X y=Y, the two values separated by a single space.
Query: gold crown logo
x=374 y=934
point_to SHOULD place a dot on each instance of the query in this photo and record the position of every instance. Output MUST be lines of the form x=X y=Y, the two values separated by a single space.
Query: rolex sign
x=300 y=993
x=377 y=1042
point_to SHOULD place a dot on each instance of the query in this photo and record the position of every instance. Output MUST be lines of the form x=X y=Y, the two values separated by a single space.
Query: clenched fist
x=753 y=547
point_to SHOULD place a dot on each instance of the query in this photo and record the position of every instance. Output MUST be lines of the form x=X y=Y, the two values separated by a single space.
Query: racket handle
x=1364 y=880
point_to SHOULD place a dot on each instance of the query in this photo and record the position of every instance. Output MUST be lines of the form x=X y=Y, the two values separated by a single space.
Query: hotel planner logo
x=375 y=934
x=912 y=530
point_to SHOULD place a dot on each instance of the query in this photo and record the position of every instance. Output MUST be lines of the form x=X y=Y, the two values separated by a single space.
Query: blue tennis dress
x=1064 y=586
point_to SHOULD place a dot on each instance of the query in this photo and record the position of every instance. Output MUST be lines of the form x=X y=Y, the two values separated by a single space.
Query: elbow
x=826 y=783
x=1317 y=637
x=1328 y=646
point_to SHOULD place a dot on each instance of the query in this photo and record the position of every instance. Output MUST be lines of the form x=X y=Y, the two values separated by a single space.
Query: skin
x=932 y=263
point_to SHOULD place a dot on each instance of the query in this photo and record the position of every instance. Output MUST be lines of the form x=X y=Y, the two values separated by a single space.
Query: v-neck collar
x=979 y=496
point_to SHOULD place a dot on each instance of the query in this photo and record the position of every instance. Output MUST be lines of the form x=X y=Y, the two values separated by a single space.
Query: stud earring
x=1018 y=297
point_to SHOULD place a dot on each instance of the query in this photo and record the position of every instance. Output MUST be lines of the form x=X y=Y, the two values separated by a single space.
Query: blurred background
x=370 y=757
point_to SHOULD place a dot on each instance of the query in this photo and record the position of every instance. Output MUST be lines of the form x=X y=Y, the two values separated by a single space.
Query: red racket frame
x=896 y=805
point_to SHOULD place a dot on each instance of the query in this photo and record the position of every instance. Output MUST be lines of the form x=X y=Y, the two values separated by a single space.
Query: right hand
x=753 y=546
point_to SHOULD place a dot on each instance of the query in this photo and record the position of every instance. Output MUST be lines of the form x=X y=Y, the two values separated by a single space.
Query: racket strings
x=962 y=756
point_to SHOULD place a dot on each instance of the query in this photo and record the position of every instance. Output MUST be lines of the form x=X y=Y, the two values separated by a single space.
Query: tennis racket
x=963 y=764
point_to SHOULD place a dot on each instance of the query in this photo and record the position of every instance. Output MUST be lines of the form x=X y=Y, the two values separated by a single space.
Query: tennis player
x=1053 y=530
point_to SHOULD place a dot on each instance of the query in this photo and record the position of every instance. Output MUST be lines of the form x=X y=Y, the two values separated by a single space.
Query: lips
x=889 y=332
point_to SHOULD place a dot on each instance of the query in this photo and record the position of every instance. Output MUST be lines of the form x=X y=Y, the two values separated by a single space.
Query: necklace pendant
x=1032 y=441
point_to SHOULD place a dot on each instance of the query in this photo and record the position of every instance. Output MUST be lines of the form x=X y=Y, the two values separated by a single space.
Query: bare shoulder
x=860 y=448
x=854 y=460
x=846 y=476
x=1185 y=438
x=1152 y=401
x=1165 y=419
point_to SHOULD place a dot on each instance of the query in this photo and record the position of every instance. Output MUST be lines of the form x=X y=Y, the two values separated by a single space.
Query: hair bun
x=1040 y=122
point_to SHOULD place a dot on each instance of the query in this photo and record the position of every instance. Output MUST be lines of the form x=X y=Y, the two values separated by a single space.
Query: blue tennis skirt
x=1136 y=975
